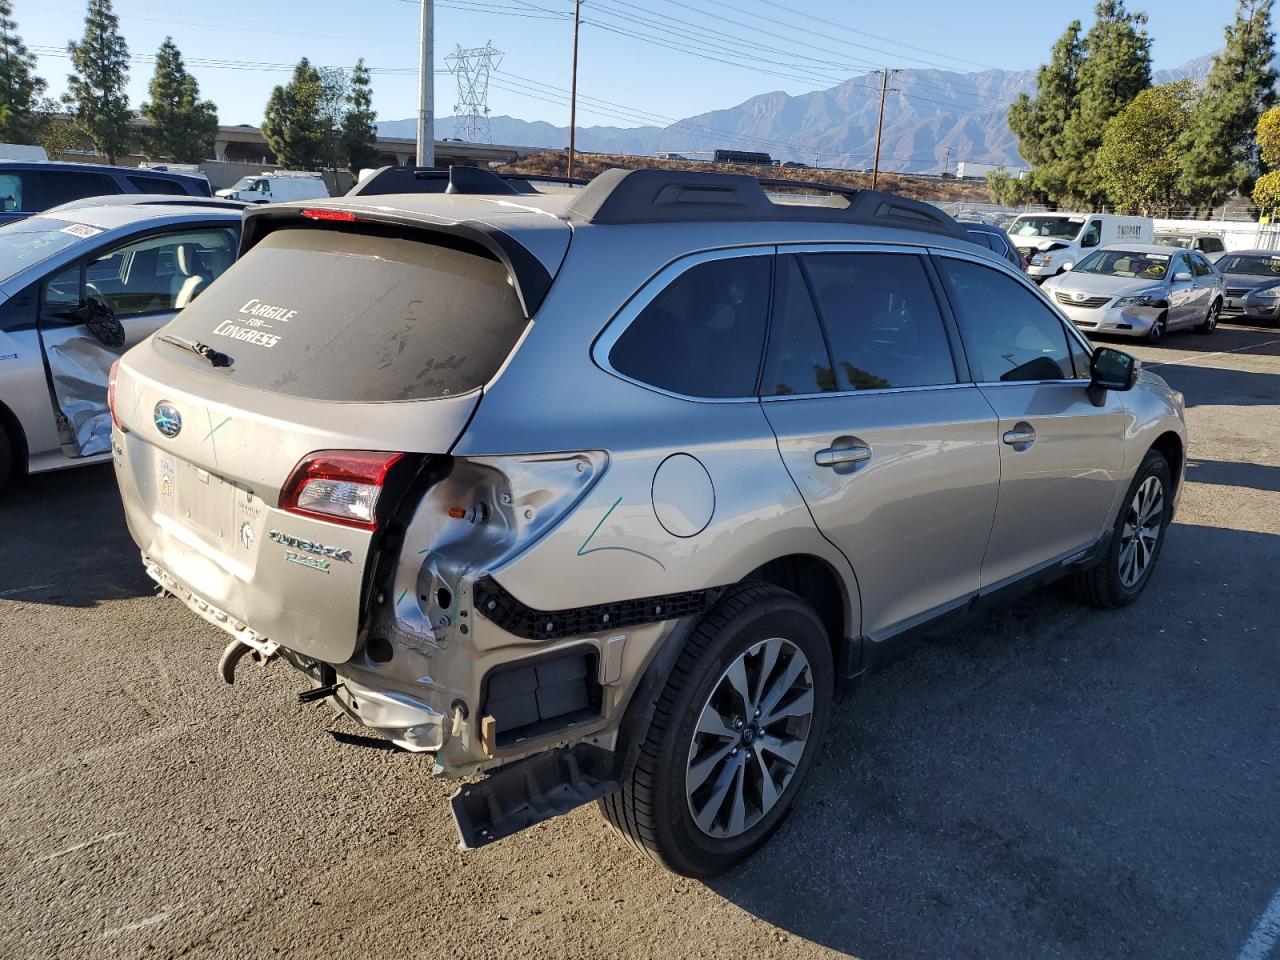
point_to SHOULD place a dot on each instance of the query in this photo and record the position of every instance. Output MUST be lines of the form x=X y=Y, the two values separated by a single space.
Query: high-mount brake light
x=341 y=486
x=111 y=394
x=345 y=216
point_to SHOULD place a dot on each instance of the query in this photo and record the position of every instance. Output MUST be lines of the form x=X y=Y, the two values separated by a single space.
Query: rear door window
x=881 y=319
x=158 y=185
x=702 y=336
x=798 y=360
x=63 y=186
x=331 y=315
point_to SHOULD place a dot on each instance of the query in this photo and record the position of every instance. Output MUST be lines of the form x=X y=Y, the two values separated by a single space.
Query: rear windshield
x=328 y=315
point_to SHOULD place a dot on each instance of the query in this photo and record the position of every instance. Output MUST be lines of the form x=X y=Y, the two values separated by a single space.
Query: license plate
x=205 y=501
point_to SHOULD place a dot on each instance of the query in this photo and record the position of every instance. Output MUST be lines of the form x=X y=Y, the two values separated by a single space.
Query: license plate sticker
x=168 y=480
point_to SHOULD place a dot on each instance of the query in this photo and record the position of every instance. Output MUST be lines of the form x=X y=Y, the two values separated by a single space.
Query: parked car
x=1054 y=242
x=1252 y=280
x=1137 y=290
x=1209 y=244
x=79 y=285
x=995 y=240
x=276 y=187
x=30 y=187
x=601 y=493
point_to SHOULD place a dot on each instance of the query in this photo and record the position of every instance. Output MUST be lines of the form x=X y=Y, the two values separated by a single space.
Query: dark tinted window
x=330 y=315
x=882 y=320
x=157 y=185
x=1200 y=266
x=1009 y=333
x=63 y=186
x=701 y=336
x=15 y=192
x=1212 y=245
x=977 y=236
x=1081 y=355
x=798 y=361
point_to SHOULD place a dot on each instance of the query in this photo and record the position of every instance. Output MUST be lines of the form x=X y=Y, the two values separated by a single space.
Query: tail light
x=111 y=394
x=341 y=486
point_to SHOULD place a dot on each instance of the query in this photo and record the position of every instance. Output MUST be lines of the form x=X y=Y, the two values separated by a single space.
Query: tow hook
x=318 y=693
x=235 y=651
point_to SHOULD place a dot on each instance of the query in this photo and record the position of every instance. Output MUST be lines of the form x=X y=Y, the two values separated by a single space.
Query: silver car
x=1252 y=280
x=1140 y=290
x=79 y=285
x=605 y=493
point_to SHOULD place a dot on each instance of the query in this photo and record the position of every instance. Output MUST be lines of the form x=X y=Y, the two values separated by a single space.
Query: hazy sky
x=649 y=60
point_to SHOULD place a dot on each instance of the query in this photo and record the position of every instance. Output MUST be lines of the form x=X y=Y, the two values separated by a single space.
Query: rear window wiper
x=215 y=357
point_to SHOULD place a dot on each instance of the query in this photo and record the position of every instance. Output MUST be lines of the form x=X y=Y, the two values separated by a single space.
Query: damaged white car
x=79 y=285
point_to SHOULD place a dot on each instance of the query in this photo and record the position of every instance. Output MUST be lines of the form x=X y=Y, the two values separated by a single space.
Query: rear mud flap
x=529 y=792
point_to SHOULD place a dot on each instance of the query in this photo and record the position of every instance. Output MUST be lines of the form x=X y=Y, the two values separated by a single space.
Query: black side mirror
x=102 y=323
x=1111 y=369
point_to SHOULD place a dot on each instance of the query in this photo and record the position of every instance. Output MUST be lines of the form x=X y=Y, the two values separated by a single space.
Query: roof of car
x=1253 y=253
x=109 y=213
x=1157 y=248
x=96 y=168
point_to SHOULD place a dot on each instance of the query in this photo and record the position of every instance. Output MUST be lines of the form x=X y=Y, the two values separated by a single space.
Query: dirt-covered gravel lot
x=1047 y=781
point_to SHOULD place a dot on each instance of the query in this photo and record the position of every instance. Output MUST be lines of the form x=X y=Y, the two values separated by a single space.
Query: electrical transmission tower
x=471 y=112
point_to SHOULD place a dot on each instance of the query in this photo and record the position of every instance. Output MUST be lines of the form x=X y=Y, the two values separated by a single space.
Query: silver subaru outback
x=605 y=494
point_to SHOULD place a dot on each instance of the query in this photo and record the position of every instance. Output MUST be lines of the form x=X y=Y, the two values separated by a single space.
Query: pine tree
x=1219 y=155
x=96 y=90
x=183 y=127
x=359 y=133
x=20 y=89
x=1038 y=123
x=293 y=127
x=1116 y=67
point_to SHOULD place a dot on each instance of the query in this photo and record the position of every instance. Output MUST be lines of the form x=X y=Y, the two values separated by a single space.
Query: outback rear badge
x=309 y=546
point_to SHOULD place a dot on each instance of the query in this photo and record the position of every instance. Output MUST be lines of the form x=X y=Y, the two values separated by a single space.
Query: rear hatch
x=258 y=455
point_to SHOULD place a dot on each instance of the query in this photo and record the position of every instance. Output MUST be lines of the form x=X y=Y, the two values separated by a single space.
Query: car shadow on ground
x=1221 y=386
x=1228 y=337
x=1256 y=476
x=74 y=564
x=1052 y=781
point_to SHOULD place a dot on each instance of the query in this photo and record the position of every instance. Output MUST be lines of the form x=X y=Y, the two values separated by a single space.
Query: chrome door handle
x=833 y=456
x=1020 y=434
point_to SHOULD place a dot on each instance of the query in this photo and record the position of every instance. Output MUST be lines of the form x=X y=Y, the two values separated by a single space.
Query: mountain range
x=933 y=118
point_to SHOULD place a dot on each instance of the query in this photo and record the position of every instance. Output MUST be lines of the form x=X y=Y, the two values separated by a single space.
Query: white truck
x=1053 y=242
x=277 y=186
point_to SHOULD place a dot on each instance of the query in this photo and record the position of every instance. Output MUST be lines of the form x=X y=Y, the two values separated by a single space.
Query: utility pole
x=884 y=90
x=573 y=85
x=946 y=163
x=426 y=88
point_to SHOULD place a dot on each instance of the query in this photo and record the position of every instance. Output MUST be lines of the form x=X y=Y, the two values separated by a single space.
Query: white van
x=276 y=186
x=1053 y=242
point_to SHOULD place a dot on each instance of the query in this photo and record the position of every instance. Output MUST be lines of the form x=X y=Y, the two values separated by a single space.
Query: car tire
x=1210 y=322
x=1123 y=572
x=1158 y=330
x=694 y=796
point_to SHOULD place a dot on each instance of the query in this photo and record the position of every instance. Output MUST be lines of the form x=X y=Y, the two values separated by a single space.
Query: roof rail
x=683 y=196
x=457 y=179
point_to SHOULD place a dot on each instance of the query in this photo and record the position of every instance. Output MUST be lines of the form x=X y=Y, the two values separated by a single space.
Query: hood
x=1100 y=285
x=223 y=193
x=1248 y=281
x=1042 y=244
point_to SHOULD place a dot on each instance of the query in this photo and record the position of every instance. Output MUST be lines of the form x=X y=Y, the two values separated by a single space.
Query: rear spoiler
x=530 y=278
x=457 y=179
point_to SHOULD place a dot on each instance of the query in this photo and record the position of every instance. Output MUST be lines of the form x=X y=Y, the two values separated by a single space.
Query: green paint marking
x=402 y=596
x=583 y=551
x=212 y=430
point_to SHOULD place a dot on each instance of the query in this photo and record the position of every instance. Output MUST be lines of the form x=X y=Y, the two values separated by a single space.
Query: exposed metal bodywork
x=579 y=492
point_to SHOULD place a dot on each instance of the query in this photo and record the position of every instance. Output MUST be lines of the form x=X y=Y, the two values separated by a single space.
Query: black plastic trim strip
x=494 y=603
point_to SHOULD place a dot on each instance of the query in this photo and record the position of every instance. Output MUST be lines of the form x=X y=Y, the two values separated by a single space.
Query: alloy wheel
x=1211 y=322
x=1143 y=526
x=750 y=738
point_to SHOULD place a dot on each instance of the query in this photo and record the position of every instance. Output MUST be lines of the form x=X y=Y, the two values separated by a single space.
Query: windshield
x=1054 y=228
x=246 y=183
x=1125 y=263
x=1250 y=266
x=1171 y=241
x=30 y=241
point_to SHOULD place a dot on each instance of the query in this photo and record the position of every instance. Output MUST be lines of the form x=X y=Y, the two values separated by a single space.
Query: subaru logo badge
x=167 y=419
